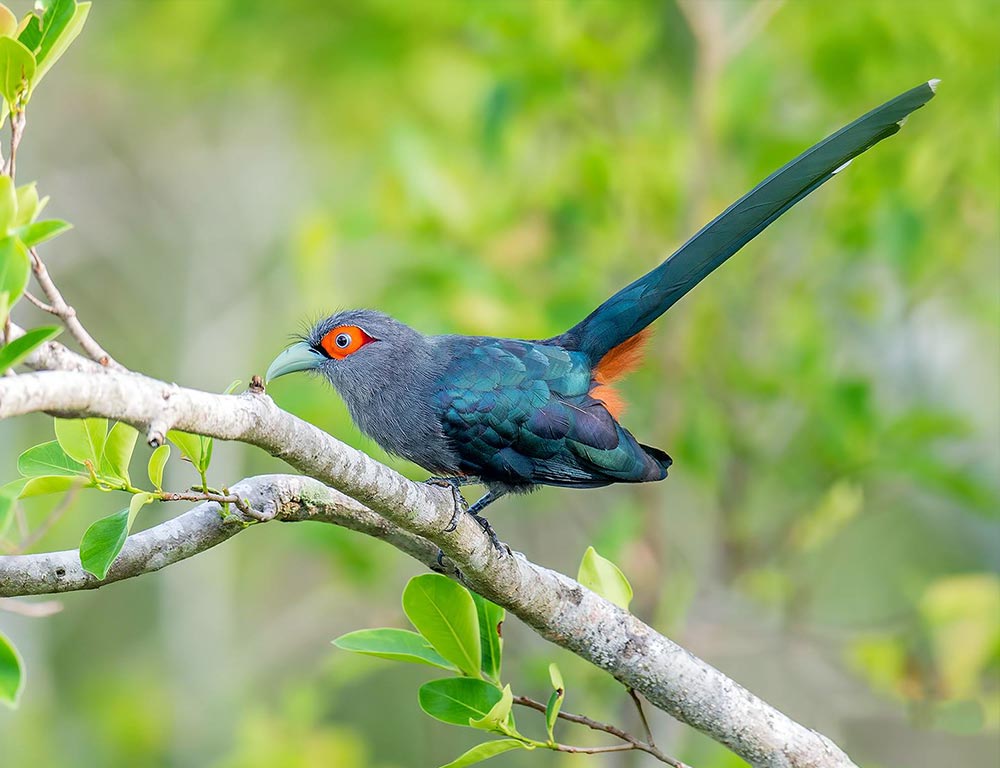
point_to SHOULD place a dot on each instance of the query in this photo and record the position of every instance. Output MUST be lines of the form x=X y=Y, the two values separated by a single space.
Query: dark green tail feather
x=639 y=304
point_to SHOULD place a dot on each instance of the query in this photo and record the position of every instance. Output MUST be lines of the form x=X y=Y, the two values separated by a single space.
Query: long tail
x=634 y=307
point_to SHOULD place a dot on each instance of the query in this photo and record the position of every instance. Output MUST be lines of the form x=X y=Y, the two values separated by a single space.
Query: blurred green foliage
x=828 y=534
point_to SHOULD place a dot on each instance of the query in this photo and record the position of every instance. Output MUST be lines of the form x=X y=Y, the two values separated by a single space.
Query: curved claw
x=461 y=505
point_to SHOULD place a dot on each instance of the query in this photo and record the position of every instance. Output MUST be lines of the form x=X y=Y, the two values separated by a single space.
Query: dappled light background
x=828 y=535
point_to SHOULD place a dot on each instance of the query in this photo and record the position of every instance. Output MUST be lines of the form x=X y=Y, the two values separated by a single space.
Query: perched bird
x=513 y=414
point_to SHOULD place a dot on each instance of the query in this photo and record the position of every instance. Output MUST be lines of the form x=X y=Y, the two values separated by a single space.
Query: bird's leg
x=478 y=507
x=454 y=483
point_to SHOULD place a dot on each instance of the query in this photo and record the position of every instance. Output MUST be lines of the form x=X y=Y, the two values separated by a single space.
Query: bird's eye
x=344 y=340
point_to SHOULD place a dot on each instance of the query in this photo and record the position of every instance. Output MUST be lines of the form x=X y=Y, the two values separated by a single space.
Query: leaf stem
x=631 y=742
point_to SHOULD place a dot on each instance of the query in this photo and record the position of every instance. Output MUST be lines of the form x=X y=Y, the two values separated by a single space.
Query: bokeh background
x=828 y=535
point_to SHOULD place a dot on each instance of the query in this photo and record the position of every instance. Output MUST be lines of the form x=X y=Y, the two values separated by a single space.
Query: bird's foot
x=498 y=545
x=461 y=505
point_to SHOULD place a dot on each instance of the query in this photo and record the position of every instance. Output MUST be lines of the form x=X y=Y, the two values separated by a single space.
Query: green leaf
x=118 y=450
x=55 y=18
x=102 y=542
x=490 y=617
x=17 y=70
x=83 y=439
x=33 y=234
x=394 y=644
x=4 y=306
x=40 y=486
x=138 y=501
x=207 y=444
x=55 y=42
x=31 y=34
x=555 y=699
x=458 y=700
x=444 y=613
x=232 y=387
x=487 y=750
x=192 y=447
x=48 y=459
x=156 y=463
x=15 y=265
x=556 y=677
x=11 y=672
x=498 y=715
x=20 y=348
x=28 y=204
x=605 y=578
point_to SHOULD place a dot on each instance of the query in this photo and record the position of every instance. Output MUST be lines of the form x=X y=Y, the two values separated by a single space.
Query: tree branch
x=412 y=517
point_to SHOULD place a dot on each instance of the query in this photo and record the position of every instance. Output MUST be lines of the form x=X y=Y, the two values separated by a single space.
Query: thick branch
x=288 y=498
x=557 y=607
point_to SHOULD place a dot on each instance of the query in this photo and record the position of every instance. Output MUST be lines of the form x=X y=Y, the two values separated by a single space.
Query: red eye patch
x=344 y=340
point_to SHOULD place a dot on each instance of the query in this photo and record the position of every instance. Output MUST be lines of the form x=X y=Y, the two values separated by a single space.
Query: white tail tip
x=838 y=170
x=933 y=84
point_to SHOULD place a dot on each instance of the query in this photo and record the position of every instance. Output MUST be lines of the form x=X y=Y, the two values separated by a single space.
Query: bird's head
x=354 y=348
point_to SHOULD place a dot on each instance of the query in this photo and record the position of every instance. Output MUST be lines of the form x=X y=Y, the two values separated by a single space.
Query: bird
x=515 y=414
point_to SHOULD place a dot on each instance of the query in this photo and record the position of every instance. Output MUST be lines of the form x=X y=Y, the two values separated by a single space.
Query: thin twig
x=67 y=314
x=632 y=742
x=219 y=498
x=18 y=119
x=642 y=716
x=57 y=304
x=39 y=303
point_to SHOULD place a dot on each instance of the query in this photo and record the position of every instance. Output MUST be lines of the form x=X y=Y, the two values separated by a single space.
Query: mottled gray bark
x=412 y=517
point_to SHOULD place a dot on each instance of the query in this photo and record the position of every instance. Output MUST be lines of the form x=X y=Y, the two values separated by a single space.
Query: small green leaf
x=40 y=486
x=118 y=450
x=444 y=613
x=498 y=715
x=156 y=463
x=4 y=306
x=55 y=18
x=48 y=459
x=458 y=700
x=31 y=31
x=490 y=618
x=21 y=348
x=54 y=43
x=556 y=677
x=138 y=501
x=28 y=204
x=194 y=448
x=207 y=444
x=82 y=439
x=102 y=542
x=555 y=699
x=605 y=578
x=11 y=673
x=487 y=750
x=394 y=644
x=232 y=387
x=33 y=234
x=15 y=264
x=17 y=70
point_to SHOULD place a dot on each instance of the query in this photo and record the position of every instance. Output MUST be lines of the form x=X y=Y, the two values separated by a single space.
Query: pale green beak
x=298 y=357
